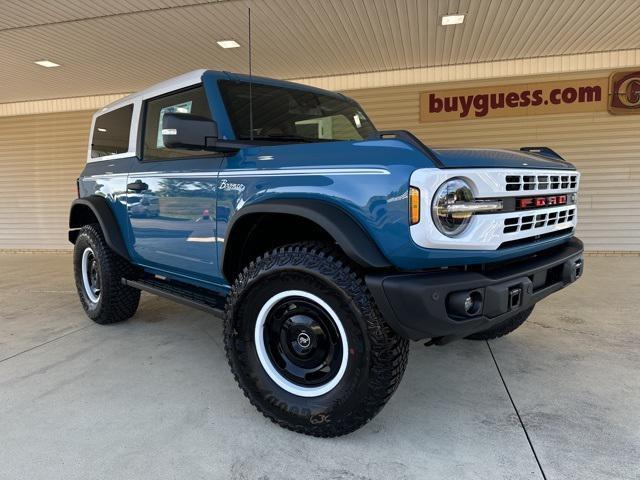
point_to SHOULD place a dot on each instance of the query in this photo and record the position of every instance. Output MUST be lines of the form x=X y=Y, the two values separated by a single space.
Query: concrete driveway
x=153 y=397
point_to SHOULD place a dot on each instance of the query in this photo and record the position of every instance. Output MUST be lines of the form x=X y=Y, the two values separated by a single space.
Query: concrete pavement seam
x=535 y=455
x=44 y=343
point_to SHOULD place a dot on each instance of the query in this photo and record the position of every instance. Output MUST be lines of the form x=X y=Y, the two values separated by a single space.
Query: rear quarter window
x=111 y=132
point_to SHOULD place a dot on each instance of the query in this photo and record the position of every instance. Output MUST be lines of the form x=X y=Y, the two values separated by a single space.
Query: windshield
x=290 y=114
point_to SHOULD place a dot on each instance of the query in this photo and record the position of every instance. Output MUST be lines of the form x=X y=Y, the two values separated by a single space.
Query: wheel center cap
x=304 y=340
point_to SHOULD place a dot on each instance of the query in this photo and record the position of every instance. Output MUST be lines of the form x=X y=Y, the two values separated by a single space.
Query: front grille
x=540 y=182
x=539 y=220
x=537 y=238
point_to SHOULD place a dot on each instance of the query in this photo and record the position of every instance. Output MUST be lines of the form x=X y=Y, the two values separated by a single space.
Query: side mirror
x=189 y=132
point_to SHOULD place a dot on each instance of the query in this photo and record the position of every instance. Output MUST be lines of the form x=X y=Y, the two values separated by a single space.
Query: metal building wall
x=604 y=147
x=41 y=155
x=40 y=159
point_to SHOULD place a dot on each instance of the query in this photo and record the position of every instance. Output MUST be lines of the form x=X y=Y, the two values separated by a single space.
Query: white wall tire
x=279 y=289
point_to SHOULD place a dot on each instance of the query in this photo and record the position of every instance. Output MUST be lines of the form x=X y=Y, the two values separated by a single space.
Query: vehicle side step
x=181 y=293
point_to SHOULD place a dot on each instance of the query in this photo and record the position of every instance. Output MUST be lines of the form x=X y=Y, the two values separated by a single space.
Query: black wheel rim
x=303 y=342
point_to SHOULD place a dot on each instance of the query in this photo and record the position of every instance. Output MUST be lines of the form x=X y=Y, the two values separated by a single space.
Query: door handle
x=138 y=186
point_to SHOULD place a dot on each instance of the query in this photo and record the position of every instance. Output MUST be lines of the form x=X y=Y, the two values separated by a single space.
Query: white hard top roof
x=175 y=83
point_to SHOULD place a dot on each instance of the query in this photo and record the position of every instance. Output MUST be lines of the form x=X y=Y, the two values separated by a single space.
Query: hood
x=497 y=158
x=395 y=151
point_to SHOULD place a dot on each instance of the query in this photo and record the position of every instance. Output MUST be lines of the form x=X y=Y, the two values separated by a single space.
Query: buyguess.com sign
x=570 y=96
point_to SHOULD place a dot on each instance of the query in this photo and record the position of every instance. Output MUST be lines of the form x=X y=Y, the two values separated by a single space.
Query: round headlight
x=447 y=220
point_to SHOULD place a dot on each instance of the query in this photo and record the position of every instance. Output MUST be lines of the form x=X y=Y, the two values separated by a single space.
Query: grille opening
x=546 y=278
x=510 y=225
x=554 y=275
x=543 y=182
x=516 y=183
x=513 y=183
x=540 y=220
x=529 y=182
x=527 y=223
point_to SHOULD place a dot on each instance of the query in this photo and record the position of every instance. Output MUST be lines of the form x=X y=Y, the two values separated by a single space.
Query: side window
x=192 y=101
x=111 y=132
x=334 y=127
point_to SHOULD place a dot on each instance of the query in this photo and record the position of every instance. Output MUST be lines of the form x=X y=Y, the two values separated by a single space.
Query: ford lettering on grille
x=539 y=202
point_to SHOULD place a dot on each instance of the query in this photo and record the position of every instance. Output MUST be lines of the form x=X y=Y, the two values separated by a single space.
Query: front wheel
x=307 y=344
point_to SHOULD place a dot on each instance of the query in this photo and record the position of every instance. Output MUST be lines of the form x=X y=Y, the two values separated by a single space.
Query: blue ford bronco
x=324 y=244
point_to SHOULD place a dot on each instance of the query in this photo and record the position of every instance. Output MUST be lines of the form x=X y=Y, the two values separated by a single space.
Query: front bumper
x=431 y=304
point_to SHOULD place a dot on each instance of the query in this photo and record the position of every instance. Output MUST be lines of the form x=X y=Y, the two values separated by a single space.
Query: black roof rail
x=546 y=151
x=409 y=138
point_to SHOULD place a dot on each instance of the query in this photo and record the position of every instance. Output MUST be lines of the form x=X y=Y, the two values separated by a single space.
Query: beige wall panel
x=40 y=159
x=41 y=155
x=604 y=147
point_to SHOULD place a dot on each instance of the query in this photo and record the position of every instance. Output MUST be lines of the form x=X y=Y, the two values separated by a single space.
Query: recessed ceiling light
x=228 y=44
x=452 y=19
x=47 y=63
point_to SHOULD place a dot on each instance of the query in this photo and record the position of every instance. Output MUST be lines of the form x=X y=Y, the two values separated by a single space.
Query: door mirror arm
x=224 y=146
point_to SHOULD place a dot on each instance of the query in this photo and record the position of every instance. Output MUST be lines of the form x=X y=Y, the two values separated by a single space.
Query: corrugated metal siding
x=41 y=155
x=73 y=104
x=19 y=14
x=604 y=147
x=40 y=158
x=495 y=70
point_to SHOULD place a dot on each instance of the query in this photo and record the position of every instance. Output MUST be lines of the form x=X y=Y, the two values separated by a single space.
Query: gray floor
x=153 y=397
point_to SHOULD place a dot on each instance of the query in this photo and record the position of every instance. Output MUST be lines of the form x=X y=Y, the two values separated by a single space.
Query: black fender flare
x=356 y=243
x=102 y=212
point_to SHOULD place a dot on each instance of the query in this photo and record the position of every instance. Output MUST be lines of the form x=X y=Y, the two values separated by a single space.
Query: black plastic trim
x=175 y=295
x=408 y=137
x=347 y=232
x=416 y=304
x=108 y=224
x=544 y=151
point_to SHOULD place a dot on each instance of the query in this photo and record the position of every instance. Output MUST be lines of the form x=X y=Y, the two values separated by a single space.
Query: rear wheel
x=307 y=344
x=98 y=274
x=503 y=328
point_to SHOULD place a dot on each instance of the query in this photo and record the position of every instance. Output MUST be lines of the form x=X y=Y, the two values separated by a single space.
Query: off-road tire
x=503 y=328
x=116 y=302
x=377 y=355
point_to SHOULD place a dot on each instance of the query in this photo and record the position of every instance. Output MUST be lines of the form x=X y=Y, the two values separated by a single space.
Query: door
x=171 y=197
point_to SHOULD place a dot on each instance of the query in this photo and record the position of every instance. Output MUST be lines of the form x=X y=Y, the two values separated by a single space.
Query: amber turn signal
x=414 y=205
